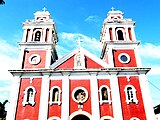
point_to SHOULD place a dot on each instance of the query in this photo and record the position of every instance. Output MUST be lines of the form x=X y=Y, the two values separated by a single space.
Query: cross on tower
x=44 y=9
x=79 y=42
x=112 y=8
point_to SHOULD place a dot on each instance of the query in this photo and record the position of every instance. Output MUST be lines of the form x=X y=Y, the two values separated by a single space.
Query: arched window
x=104 y=94
x=55 y=94
x=29 y=96
x=37 y=36
x=134 y=118
x=130 y=92
x=120 y=34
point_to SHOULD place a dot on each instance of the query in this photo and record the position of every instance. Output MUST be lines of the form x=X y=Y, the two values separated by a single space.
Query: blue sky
x=80 y=18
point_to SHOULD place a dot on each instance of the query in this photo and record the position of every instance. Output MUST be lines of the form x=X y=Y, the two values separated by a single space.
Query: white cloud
x=150 y=50
x=8 y=59
x=92 y=19
x=69 y=43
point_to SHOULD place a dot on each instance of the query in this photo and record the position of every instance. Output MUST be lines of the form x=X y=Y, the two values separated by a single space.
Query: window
x=37 y=36
x=130 y=92
x=29 y=96
x=55 y=94
x=124 y=58
x=80 y=94
x=104 y=94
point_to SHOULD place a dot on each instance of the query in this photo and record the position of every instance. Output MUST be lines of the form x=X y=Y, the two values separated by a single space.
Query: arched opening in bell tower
x=80 y=117
x=120 y=35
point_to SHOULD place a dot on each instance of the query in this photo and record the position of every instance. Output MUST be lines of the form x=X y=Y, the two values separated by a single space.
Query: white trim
x=83 y=51
x=51 y=102
x=125 y=54
x=106 y=117
x=134 y=97
x=108 y=95
x=81 y=95
x=80 y=112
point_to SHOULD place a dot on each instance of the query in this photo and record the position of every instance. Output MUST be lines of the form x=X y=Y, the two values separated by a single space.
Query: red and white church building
x=80 y=86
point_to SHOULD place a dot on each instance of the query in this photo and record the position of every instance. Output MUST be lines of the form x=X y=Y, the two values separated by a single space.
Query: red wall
x=42 y=54
x=132 y=109
x=55 y=109
x=106 y=108
x=28 y=112
x=131 y=53
x=69 y=64
x=73 y=104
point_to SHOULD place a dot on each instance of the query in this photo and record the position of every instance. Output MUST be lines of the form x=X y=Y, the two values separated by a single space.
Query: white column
x=127 y=34
x=94 y=97
x=21 y=57
x=116 y=102
x=48 y=57
x=137 y=56
x=43 y=109
x=133 y=34
x=114 y=33
x=107 y=35
x=24 y=35
x=30 y=35
x=110 y=56
x=44 y=34
x=11 y=113
x=65 y=97
x=146 y=98
x=50 y=35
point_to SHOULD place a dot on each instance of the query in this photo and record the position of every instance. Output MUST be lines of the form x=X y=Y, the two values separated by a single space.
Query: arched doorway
x=80 y=117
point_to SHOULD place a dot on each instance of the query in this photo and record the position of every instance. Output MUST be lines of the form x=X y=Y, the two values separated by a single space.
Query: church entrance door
x=80 y=117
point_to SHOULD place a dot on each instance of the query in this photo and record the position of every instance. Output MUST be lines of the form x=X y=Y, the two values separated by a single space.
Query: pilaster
x=94 y=97
x=65 y=97
x=146 y=97
x=43 y=109
x=11 y=113
x=116 y=102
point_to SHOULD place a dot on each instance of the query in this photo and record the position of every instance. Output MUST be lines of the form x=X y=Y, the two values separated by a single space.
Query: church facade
x=80 y=86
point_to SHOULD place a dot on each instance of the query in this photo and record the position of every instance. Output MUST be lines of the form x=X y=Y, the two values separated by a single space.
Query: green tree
x=3 y=112
x=2 y=2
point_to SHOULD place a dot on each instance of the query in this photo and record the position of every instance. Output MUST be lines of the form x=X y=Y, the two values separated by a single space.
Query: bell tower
x=120 y=47
x=37 y=49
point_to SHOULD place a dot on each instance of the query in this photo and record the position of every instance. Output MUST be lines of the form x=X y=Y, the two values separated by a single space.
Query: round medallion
x=124 y=58
x=80 y=95
x=34 y=59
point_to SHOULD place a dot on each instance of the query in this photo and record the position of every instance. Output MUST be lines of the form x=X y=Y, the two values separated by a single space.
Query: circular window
x=124 y=58
x=34 y=59
x=80 y=95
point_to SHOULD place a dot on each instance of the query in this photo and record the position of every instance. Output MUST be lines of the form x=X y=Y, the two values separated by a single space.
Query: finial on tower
x=79 y=42
x=44 y=9
x=112 y=8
